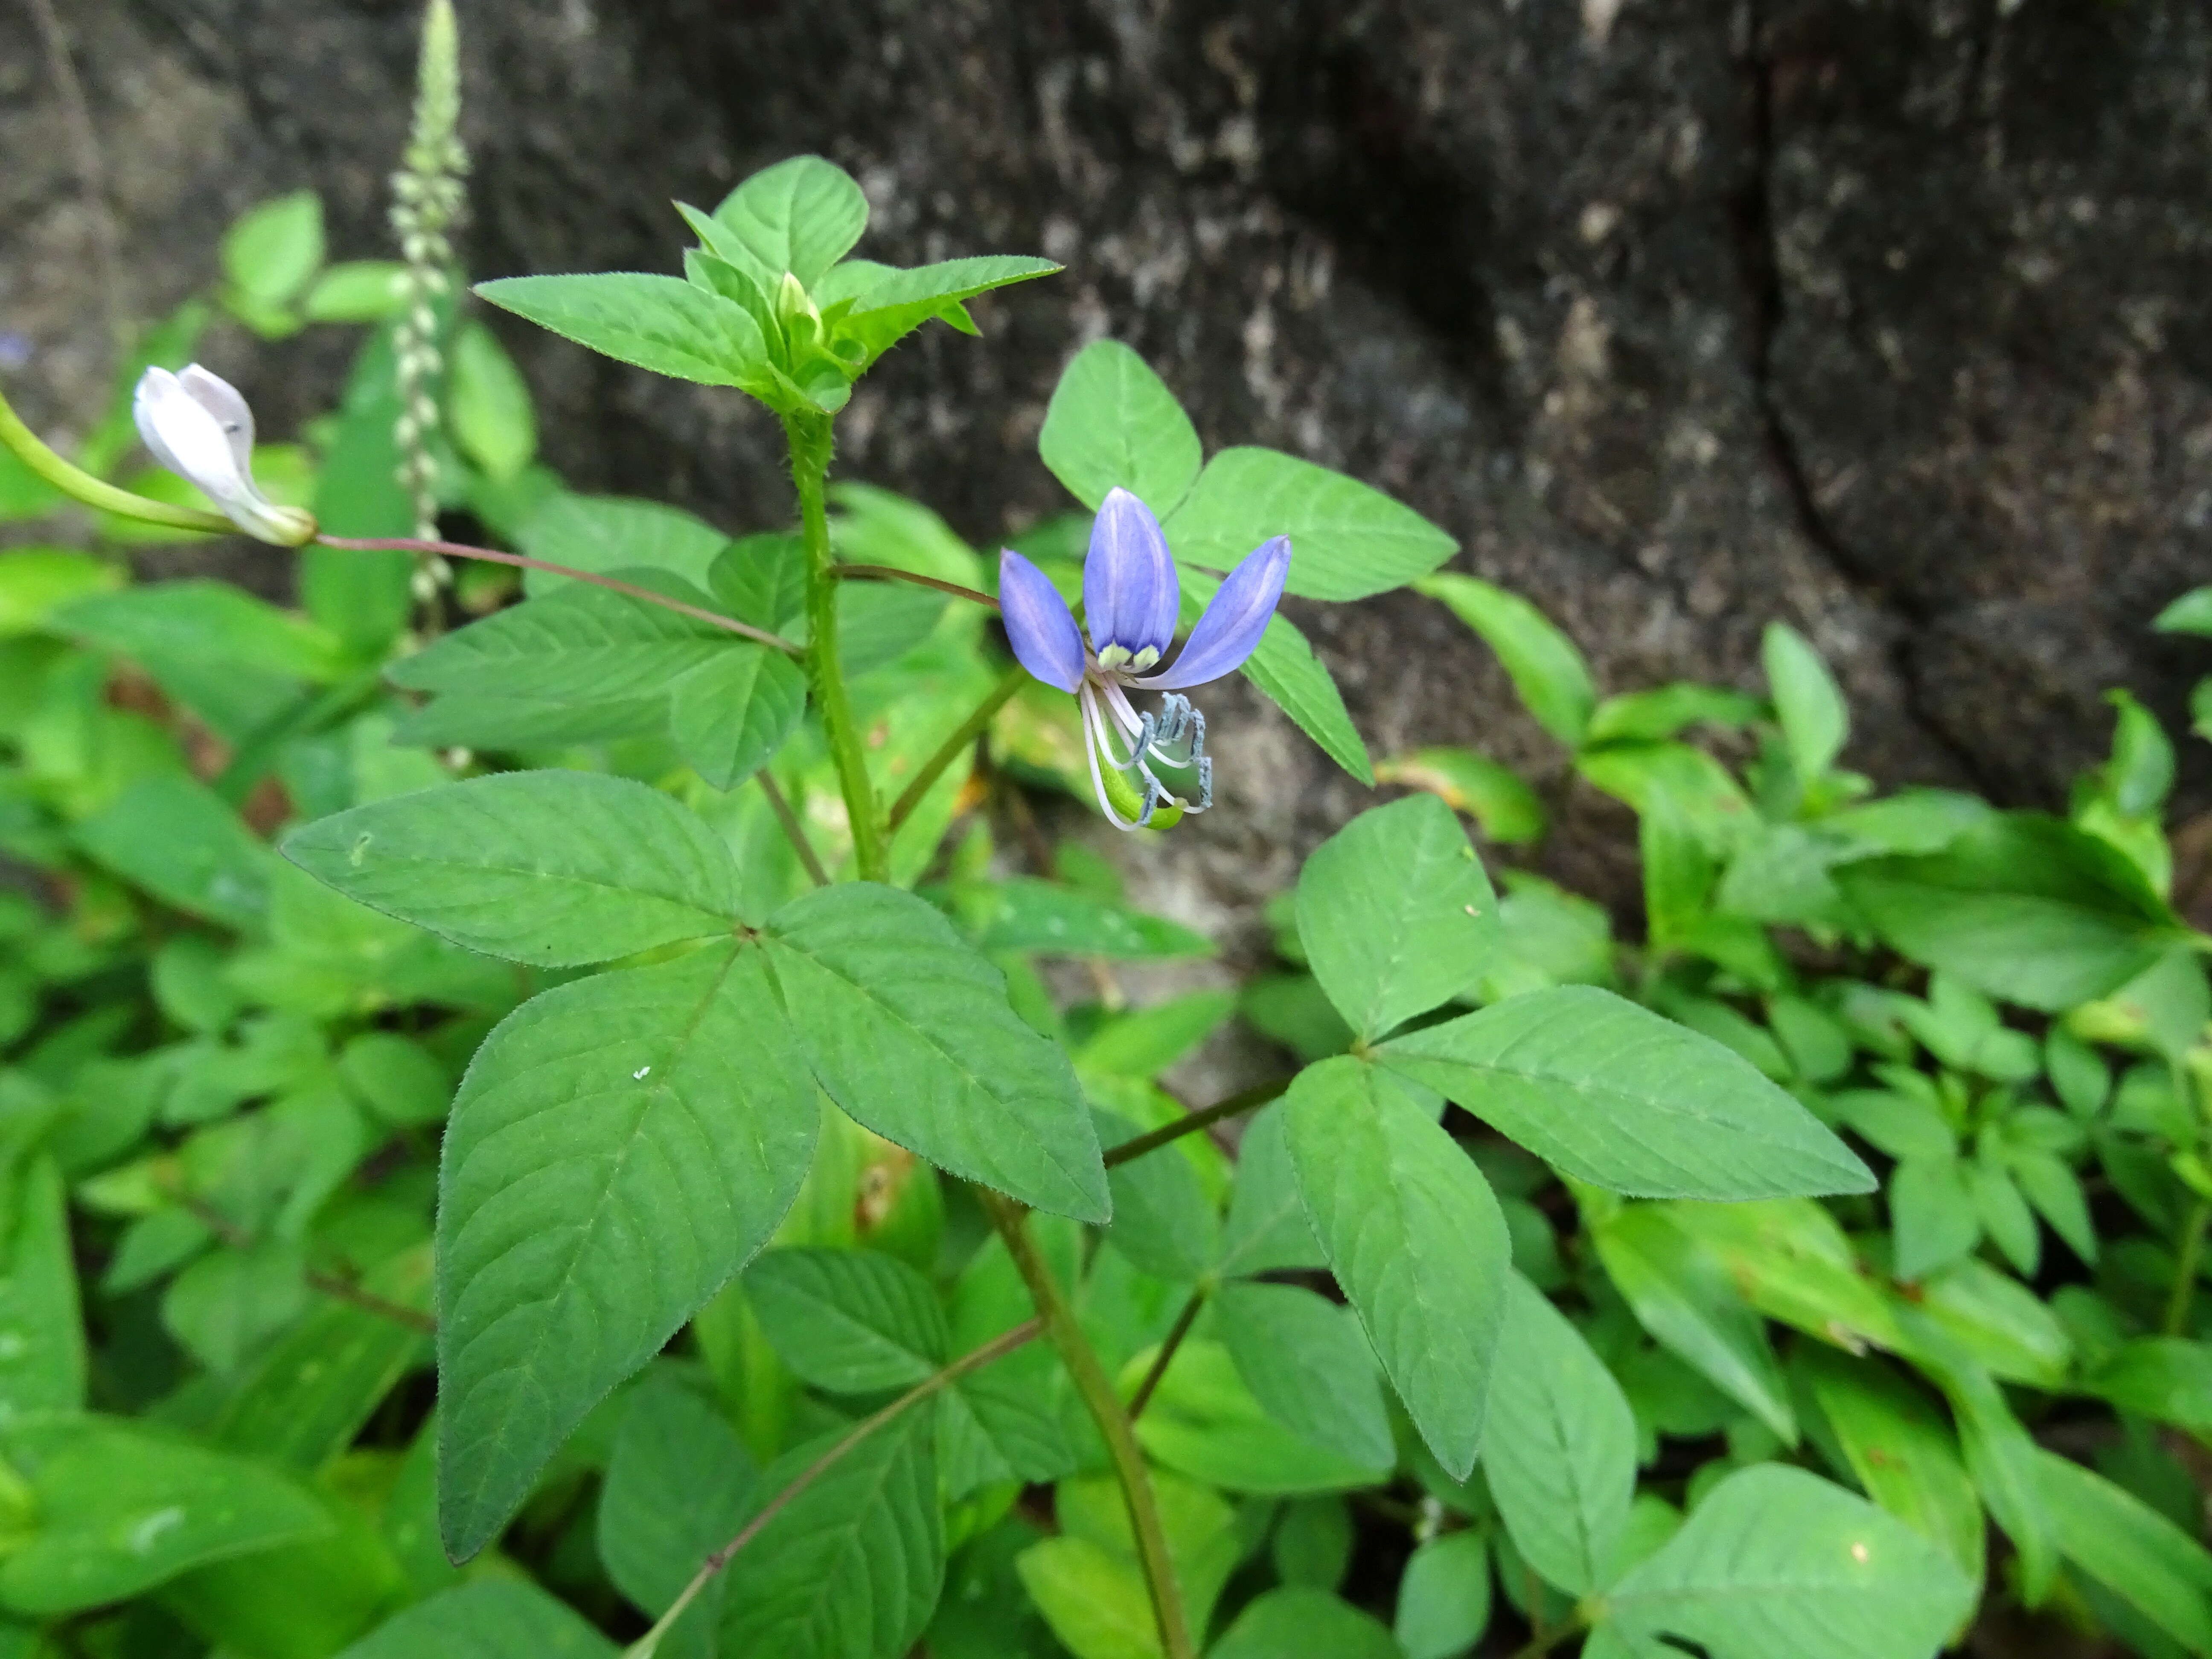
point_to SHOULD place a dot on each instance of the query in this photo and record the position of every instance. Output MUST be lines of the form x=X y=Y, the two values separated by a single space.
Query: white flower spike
x=196 y=425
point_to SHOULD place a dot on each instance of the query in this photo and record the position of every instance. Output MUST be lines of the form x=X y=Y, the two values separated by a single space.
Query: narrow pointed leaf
x=553 y=868
x=1415 y=1238
x=1112 y=421
x=619 y=1148
x=1616 y=1096
x=1396 y=914
x=908 y=1029
x=1559 y=1450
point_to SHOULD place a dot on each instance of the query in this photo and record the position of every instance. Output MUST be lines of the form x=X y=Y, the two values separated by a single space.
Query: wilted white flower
x=196 y=425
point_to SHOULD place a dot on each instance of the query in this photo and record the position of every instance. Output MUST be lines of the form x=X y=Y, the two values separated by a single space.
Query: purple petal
x=1230 y=627
x=1130 y=595
x=1039 y=625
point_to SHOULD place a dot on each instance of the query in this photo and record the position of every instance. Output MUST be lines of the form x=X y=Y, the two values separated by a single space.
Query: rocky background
x=1890 y=317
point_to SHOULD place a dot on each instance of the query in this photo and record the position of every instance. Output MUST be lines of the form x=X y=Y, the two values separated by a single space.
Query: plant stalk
x=1096 y=1390
x=811 y=443
x=2178 y=1305
x=958 y=744
x=1173 y=1340
x=793 y=831
x=1243 y=1101
x=891 y=573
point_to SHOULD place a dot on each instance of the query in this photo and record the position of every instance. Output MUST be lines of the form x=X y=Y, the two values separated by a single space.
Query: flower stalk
x=428 y=195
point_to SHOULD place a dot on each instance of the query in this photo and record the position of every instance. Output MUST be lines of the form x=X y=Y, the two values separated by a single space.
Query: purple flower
x=1131 y=598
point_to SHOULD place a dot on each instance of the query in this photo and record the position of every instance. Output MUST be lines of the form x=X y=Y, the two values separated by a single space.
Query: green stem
x=998 y=1347
x=2184 y=1272
x=75 y=481
x=1176 y=1332
x=1242 y=1101
x=1541 y=1645
x=811 y=444
x=958 y=744
x=1097 y=1391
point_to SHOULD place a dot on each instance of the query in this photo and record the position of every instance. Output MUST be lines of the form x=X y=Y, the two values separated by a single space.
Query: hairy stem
x=794 y=830
x=996 y=1348
x=809 y=439
x=891 y=573
x=1097 y=1391
x=1243 y=1101
x=958 y=744
x=523 y=561
x=1173 y=1340
x=2178 y=1305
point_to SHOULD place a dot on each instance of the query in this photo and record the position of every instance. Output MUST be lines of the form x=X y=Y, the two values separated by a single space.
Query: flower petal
x=1039 y=625
x=188 y=438
x=1229 y=630
x=1130 y=595
x=221 y=399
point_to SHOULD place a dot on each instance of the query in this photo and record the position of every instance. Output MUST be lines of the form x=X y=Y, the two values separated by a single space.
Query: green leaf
x=606 y=533
x=896 y=302
x=1094 y=1599
x=1899 y=1447
x=2025 y=908
x=851 y=1568
x=1045 y=917
x=1294 y=1622
x=658 y=323
x=1307 y=1365
x=1396 y=914
x=730 y=715
x=1777 y=1561
x=42 y=1361
x=302 y=1400
x=488 y=403
x=1143 y=1042
x=1414 y=1237
x=488 y=1619
x=1545 y=669
x=273 y=251
x=852 y=1321
x=1288 y=675
x=1266 y=1229
x=1931 y=1215
x=1163 y=1222
x=1348 y=540
x=2000 y=1454
x=1112 y=421
x=1816 y=719
x=1205 y=1422
x=203 y=622
x=1684 y=1297
x=553 y=868
x=121 y=1507
x=801 y=216
x=909 y=1031
x=2131 y=1549
x=1616 y=1096
x=2189 y=614
x=577 y=644
x=1663 y=712
x=1443 y=1600
x=678 y=1486
x=1503 y=807
x=620 y=1147
x=1560 y=1449
x=2167 y=1379
x=179 y=839
x=356 y=291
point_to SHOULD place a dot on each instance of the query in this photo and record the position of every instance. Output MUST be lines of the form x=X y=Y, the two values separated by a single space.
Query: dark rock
x=1885 y=317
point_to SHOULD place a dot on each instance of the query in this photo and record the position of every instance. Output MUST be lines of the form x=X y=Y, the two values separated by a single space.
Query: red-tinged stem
x=520 y=560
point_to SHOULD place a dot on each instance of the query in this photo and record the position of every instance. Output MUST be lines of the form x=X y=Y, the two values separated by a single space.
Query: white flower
x=196 y=425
